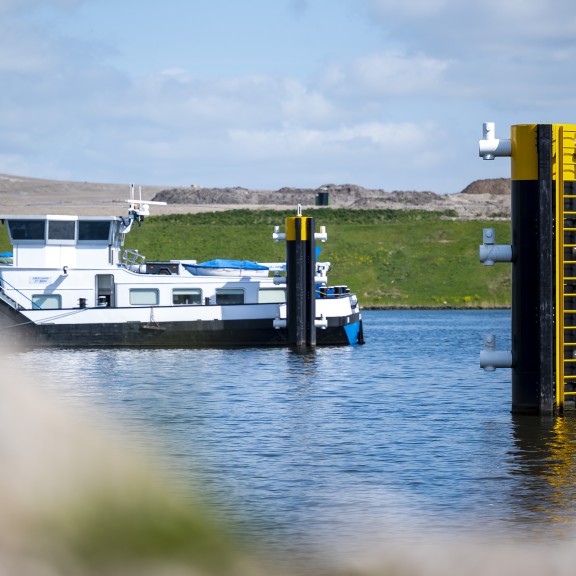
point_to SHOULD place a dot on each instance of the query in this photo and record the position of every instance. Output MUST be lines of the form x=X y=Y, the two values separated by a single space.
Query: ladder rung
x=569 y=359
x=571 y=377
x=570 y=393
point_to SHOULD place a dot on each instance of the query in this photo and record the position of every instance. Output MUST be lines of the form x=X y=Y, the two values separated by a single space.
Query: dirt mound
x=340 y=195
x=496 y=186
x=481 y=199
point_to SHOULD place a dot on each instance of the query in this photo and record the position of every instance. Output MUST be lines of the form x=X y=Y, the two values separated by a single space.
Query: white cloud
x=22 y=52
x=511 y=55
x=304 y=106
x=396 y=139
x=466 y=27
x=387 y=74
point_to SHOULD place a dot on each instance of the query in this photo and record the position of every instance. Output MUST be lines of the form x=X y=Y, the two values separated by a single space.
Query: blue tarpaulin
x=239 y=264
x=231 y=264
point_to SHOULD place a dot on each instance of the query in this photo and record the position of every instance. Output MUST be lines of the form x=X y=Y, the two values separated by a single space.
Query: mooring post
x=542 y=183
x=300 y=274
x=533 y=280
x=547 y=384
x=310 y=282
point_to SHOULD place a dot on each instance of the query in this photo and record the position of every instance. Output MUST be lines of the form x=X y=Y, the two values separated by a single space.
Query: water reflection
x=543 y=462
x=302 y=364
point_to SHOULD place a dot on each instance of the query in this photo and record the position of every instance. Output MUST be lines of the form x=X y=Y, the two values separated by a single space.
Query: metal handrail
x=4 y=281
x=132 y=257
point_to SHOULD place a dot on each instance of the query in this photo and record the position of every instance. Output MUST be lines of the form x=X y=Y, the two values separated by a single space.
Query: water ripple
x=344 y=444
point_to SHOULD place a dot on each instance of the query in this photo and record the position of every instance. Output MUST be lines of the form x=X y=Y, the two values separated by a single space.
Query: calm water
x=341 y=446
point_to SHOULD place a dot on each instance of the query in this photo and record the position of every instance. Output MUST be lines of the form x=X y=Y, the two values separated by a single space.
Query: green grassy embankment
x=390 y=258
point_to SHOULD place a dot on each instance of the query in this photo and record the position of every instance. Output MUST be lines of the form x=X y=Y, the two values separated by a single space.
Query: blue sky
x=273 y=93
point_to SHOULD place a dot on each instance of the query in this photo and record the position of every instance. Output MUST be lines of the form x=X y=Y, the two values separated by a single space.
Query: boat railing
x=334 y=292
x=132 y=258
x=10 y=301
x=322 y=268
x=275 y=267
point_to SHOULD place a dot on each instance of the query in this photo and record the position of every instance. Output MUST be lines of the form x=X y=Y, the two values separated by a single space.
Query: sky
x=272 y=93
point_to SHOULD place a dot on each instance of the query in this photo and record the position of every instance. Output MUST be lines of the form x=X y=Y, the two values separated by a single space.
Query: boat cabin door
x=105 y=290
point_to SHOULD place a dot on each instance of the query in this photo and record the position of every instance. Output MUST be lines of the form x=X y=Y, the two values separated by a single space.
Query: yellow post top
x=525 y=152
x=291 y=228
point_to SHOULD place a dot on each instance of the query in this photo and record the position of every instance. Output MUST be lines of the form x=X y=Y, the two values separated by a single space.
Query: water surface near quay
x=342 y=446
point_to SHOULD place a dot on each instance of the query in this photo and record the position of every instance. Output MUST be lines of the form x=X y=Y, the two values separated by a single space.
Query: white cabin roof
x=63 y=240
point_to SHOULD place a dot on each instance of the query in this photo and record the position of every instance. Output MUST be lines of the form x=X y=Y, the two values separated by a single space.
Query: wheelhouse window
x=186 y=296
x=271 y=296
x=144 y=296
x=56 y=230
x=93 y=230
x=61 y=229
x=229 y=296
x=47 y=301
x=27 y=229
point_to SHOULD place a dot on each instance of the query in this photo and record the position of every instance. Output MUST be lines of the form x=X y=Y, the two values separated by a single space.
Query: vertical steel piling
x=300 y=274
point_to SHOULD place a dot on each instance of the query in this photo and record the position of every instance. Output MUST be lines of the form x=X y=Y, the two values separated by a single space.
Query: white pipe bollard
x=490 y=146
x=278 y=236
x=490 y=253
x=322 y=235
x=490 y=358
x=279 y=323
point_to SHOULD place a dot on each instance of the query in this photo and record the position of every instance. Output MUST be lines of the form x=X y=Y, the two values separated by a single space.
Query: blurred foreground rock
x=77 y=499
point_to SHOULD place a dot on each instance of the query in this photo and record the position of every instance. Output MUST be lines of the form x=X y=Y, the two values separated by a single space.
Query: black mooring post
x=533 y=381
x=525 y=297
x=547 y=385
x=310 y=282
x=300 y=272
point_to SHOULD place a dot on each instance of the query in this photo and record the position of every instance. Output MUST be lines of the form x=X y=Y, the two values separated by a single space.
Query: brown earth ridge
x=482 y=199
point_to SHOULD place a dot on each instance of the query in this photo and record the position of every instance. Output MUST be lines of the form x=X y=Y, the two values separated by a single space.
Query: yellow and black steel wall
x=543 y=193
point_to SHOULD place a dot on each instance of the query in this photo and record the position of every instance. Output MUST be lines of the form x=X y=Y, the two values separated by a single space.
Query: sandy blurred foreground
x=75 y=499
